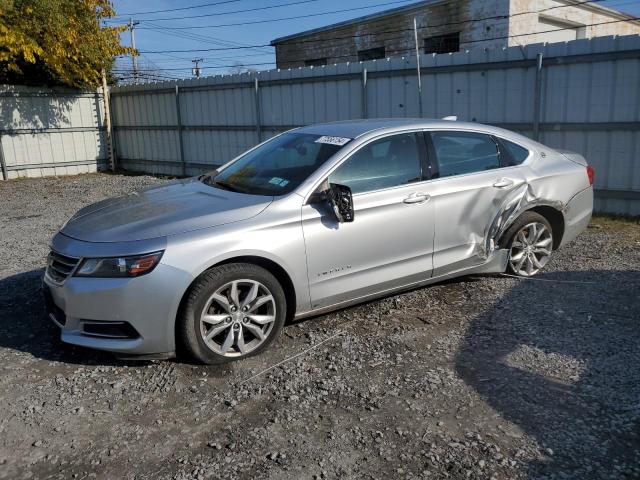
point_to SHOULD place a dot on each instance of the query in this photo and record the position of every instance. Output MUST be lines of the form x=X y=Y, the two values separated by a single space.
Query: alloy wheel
x=530 y=249
x=238 y=318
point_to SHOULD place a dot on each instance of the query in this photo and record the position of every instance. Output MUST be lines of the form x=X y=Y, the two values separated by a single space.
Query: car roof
x=358 y=128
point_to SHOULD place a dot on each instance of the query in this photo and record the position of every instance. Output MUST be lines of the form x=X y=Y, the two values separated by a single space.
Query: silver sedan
x=312 y=220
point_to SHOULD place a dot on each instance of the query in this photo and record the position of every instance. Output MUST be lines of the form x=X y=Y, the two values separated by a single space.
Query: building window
x=371 y=54
x=442 y=43
x=315 y=62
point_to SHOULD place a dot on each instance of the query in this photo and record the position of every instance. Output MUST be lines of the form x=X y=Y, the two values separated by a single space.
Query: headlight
x=119 y=266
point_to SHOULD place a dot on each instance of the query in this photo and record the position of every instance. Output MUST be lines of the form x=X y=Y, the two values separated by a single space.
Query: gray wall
x=394 y=31
x=589 y=102
x=50 y=132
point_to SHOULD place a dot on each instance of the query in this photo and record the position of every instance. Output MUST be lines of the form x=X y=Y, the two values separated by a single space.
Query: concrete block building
x=449 y=26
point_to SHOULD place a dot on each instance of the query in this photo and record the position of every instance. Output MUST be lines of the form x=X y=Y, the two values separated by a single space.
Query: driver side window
x=385 y=163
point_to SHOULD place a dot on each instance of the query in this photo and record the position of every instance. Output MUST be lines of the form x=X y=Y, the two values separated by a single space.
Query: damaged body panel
x=314 y=219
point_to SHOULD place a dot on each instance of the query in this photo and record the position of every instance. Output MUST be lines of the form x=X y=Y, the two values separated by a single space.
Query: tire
x=213 y=332
x=530 y=243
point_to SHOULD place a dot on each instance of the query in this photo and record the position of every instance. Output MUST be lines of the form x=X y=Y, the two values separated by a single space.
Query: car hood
x=169 y=209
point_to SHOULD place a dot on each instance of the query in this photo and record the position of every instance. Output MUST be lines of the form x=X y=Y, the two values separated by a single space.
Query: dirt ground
x=477 y=378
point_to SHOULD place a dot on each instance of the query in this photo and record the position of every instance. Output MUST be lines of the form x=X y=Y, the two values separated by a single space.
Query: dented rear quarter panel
x=551 y=179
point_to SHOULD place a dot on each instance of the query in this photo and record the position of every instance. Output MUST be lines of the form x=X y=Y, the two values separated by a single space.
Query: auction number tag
x=340 y=141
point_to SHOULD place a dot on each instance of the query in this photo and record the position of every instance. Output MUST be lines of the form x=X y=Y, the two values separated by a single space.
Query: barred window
x=442 y=43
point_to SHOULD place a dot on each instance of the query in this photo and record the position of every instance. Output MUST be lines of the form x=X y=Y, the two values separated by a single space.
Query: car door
x=472 y=178
x=390 y=241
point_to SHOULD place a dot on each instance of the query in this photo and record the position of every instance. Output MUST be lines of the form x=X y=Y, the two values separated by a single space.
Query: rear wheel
x=530 y=244
x=233 y=311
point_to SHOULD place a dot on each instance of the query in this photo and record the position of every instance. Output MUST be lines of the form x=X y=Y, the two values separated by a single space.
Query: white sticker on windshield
x=340 y=141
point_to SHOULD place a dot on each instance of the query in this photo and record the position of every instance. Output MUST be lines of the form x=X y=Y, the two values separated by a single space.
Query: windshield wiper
x=209 y=179
x=225 y=186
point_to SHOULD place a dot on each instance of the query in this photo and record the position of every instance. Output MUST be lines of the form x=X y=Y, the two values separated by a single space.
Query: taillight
x=591 y=174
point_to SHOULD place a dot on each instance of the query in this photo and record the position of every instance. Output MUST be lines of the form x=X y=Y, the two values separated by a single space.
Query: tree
x=240 y=68
x=57 y=42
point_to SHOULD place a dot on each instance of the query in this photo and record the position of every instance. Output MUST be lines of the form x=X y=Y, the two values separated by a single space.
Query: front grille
x=59 y=266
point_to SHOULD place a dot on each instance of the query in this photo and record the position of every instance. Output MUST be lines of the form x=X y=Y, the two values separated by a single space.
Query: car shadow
x=25 y=327
x=559 y=356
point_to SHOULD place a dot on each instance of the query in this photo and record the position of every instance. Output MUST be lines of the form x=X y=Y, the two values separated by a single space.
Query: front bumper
x=132 y=316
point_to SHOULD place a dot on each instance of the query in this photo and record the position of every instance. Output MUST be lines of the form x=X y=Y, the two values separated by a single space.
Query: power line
x=177 y=9
x=201 y=38
x=174 y=59
x=255 y=22
x=412 y=49
x=160 y=19
x=293 y=17
x=495 y=17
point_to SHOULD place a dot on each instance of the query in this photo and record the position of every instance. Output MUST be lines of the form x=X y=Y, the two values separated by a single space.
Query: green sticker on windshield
x=281 y=182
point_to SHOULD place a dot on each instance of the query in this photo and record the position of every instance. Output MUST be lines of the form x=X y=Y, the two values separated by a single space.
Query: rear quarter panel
x=557 y=179
x=563 y=183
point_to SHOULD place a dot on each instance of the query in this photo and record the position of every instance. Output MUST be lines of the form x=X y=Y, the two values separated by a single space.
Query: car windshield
x=278 y=166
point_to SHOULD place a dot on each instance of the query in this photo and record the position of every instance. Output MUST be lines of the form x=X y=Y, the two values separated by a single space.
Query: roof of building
x=413 y=6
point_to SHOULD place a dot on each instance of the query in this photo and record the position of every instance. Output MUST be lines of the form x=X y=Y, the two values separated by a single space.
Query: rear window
x=459 y=153
x=517 y=153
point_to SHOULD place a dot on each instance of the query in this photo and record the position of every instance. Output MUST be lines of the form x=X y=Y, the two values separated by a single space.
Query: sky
x=162 y=31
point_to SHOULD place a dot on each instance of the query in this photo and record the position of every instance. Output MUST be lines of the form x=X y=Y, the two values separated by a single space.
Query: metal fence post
x=365 y=113
x=415 y=34
x=258 y=114
x=179 y=125
x=3 y=165
x=537 y=98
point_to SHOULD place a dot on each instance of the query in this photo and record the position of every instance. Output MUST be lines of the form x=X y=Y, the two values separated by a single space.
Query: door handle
x=503 y=183
x=417 y=198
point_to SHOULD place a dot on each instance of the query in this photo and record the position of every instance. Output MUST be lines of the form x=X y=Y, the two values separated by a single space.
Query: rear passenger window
x=517 y=153
x=384 y=163
x=458 y=153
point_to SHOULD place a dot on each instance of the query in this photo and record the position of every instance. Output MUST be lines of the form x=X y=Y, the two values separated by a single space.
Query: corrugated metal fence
x=583 y=95
x=50 y=132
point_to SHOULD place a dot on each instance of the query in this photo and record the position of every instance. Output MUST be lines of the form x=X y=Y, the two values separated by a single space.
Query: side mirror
x=341 y=200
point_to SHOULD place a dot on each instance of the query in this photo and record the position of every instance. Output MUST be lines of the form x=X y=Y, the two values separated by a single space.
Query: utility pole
x=196 y=70
x=134 y=58
x=415 y=35
x=107 y=121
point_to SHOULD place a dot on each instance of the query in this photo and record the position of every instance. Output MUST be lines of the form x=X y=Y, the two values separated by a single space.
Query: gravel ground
x=478 y=378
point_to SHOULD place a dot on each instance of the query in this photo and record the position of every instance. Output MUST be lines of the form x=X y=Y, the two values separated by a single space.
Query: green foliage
x=57 y=42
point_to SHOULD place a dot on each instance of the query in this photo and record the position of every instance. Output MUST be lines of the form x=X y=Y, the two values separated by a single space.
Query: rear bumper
x=577 y=215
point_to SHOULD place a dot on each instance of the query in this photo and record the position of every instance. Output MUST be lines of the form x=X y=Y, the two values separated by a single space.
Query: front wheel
x=233 y=311
x=530 y=244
